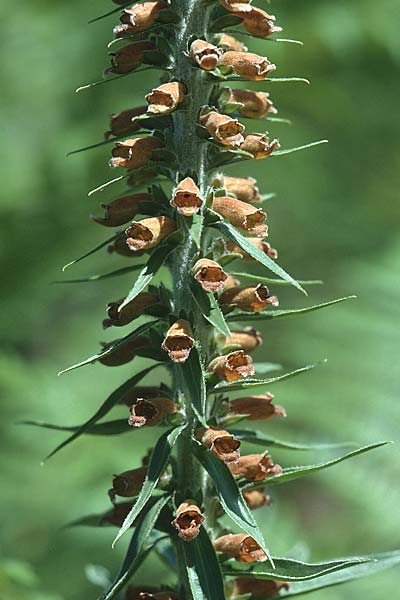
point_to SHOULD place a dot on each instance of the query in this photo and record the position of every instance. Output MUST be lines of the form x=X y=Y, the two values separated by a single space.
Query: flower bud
x=223 y=129
x=259 y=145
x=165 y=98
x=205 y=55
x=121 y=123
x=228 y=42
x=259 y=23
x=256 y=105
x=249 y=339
x=128 y=484
x=258 y=588
x=117 y=515
x=141 y=392
x=258 y=408
x=248 y=65
x=250 y=298
x=138 y=18
x=240 y=546
x=232 y=367
x=123 y=209
x=256 y=499
x=123 y=353
x=262 y=245
x=179 y=341
x=187 y=198
x=132 y=310
x=221 y=443
x=243 y=188
x=151 y=411
x=209 y=274
x=135 y=153
x=130 y=57
x=147 y=233
x=188 y=520
x=255 y=467
x=241 y=215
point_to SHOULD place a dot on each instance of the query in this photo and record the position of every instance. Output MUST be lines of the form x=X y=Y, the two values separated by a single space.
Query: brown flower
x=223 y=129
x=133 y=592
x=209 y=274
x=135 y=153
x=241 y=214
x=260 y=23
x=243 y=188
x=147 y=233
x=151 y=411
x=259 y=588
x=138 y=18
x=128 y=484
x=187 y=198
x=130 y=57
x=256 y=105
x=249 y=339
x=123 y=353
x=117 y=515
x=251 y=298
x=231 y=282
x=134 y=308
x=262 y=245
x=228 y=42
x=121 y=123
x=188 y=520
x=259 y=145
x=256 y=499
x=165 y=98
x=121 y=210
x=205 y=55
x=178 y=341
x=141 y=392
x=221 y=443
x=240 y=546
x=232 y=367
x=248 y=65
x=158 y=596
x=255 y=467
x=119 y=247
x=142 y=175
x=258 y=408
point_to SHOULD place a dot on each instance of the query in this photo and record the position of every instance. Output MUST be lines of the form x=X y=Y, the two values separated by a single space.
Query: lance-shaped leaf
x=194 y=384
x=128 y=338
x=138 y=545
x=288 y=569
x=157 y=464
x=107 y=241
x=272 y=280
x=202 y=568
x=260 y=439
x=210 y=309
x=280 y=314
x=105 y=408
x=230 y=232
x=304 y=147
x=229 y=494
x=249 y=384
x=380 y=562
x=291 y=473
x=101 y=276
x=107 y=428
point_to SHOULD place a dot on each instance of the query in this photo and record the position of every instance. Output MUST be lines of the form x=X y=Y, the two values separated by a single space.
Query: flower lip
x=188 y=520
x=209 y=274
x=151 y=411
x=248 y=65
x=221 y=443
x=187 y=198
x=178 y=341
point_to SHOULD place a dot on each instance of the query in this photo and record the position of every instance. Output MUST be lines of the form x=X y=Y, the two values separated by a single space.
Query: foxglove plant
x=180 y=210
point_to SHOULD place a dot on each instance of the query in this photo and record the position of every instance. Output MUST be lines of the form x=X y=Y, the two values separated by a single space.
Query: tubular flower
x=205 y=55
x=187 y=198
x=132 y=310
x=223 y=129
x=165 y=98
x=256 y=499
x=232 y=367
x=178 y=341
x=249 y=339
x=209 y=274
x=221 y=443
x=138 y=18
x=188 y=520
x=135 y=153
x=123 y=209
x=241 y=214
x=255 y=467
x=256 y=105
x=151 y=411
x=231 y=282
x=118 y=246
x=259 y=145
x=228 y=42
x=246 y=64
x=122 y=124
x=243 y=188
x=141 y=392
x=240 y=546
x=259 y=23
x=250 y=298
x=262 y=245
x=259 y=588
x=117 y=515
x=123 y=353
x=147 y=233
x=128 y=484
x=130 y=57
x=257 y=408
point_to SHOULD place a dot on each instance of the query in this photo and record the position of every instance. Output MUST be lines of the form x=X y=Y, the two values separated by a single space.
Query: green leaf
x=157 y=464
x=203 y=569
x=278 y=314
x=194 y=384
x=111 y=12
x=229 y=494
x=137 y=547
x=248 y=384
x=229 y=231
x=380 y=562
x=101 y=276
x=291 y=473
x=260 y=439
x=107 y=241
x=210 y=309
x=131 y=336
x=287 y=80
x=266 y=367
x=107 y=428
x=304 y=147
x=288 y=569
x=269 y=280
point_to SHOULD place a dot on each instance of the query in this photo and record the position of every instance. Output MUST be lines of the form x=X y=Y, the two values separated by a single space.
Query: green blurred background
x=335 y=217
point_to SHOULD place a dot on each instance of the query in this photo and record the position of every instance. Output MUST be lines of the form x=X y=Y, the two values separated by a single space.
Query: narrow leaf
x=194 y=384
x=101 y=187
x=101 y=276
x=287 y=80
x=158 y=462
x=210 y=309
x=260 y=439
x=107 y=428
x=290 y=150
x=203 y=569
x=111 y=12
x=76 y=260
x=274 y=281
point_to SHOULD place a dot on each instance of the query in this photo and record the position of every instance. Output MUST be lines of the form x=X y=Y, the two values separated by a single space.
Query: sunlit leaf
x=107 y=241
x=210 y=309
x=101 y=276
x=261 y=439
x=271 y=280
x=304 y=147
x=194 y=384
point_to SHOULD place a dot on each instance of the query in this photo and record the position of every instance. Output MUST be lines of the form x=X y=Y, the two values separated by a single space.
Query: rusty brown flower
x=251 y=298
x=255 y=467
x=258 y=408
x=132 y=310
x=256 y=105
x=123 y=353
x=150 y=412
x=188 y=520
x=147 y=233
x=249 y=339
x=179 y=341
x=246 y=64
x=258 y=588
x=187 y=198
x=228 y=42
x=223 y=129
x=121 y=123
x=256 y=499
x=135 y=153
x=232 y=367
x=209 y=274
x=259 y=145
x=241 y=214
x=128 y=484
x=221 y=443
x=205 y=55
x=243 y=188
x=240 y=546
x=262 y=245
x=121 y=210
x=165 y=98
x=130 y=57
x=138 y=18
